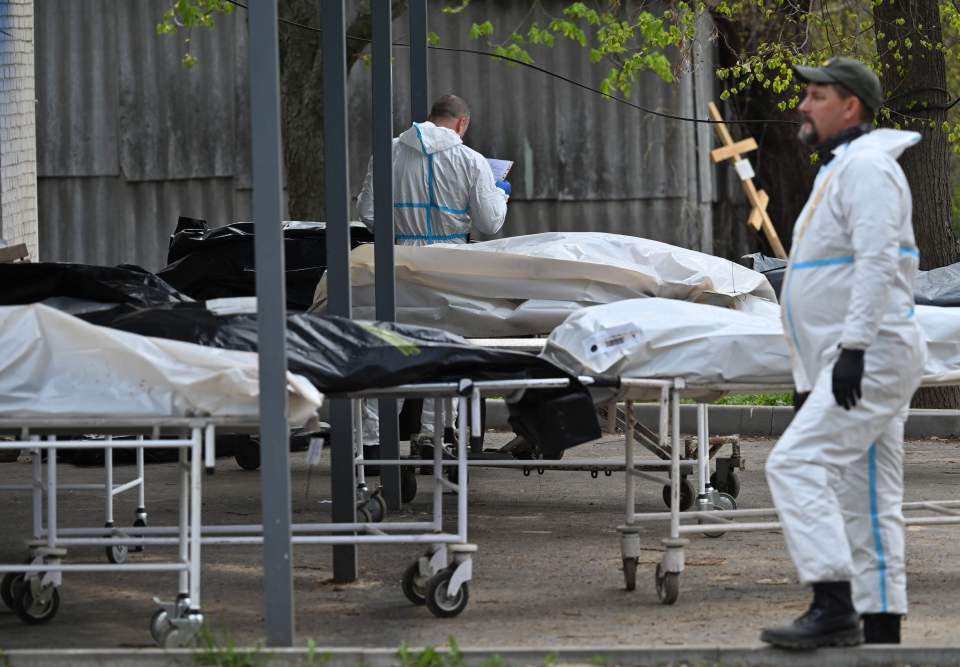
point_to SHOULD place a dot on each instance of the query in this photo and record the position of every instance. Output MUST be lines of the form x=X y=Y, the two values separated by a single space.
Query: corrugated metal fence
x=128 y=139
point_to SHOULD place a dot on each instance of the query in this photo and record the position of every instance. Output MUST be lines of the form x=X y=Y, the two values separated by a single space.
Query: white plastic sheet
x=662 y=338
x=54 y=364
x=528 y=285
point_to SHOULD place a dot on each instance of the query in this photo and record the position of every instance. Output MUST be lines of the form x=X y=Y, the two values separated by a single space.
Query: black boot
x=881 y=628
x=830 y=621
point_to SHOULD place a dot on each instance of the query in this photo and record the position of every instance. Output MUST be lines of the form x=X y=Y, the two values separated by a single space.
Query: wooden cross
x=759 y=219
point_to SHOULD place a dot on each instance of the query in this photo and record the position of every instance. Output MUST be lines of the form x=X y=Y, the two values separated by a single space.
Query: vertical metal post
x=386 y=294
x=271 y=321
x=419 y=92
x=336 y=173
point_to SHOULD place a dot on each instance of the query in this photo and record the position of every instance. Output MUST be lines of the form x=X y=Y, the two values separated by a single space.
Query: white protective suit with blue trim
x=836 y=475
x=441 y=189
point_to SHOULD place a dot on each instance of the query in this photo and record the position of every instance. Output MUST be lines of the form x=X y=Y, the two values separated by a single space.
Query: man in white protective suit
x=857 y=355
x=442 y=190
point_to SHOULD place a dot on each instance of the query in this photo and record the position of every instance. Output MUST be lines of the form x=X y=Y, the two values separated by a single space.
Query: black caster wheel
x=439 y=603
x=731 y=486
x=414 y=585
x=630 y=573
x=363 y=515
x=668 y=585
x=425 y=453
x=37 y=611
x=9 y=589
x=377 y=507
x=159 y=623
x=687 y=494
x=408 y=484
x=248 y=455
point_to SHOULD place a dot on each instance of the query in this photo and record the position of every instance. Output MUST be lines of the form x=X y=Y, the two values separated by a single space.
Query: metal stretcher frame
x=715 y=512
x=437 y=579
x=33 y=588
x=640 y=468
x=116 y=554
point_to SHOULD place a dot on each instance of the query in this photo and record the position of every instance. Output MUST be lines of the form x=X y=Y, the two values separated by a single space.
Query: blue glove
x=505 y=186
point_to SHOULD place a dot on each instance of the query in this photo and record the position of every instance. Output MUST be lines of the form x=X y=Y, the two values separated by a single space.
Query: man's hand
x=505 y=186
x=847 y=376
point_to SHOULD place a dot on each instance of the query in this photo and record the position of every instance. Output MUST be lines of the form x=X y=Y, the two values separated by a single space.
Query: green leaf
x=481 y=30
x=450 y=9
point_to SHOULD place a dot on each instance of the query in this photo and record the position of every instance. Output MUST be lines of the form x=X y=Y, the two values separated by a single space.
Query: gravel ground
x=548 y=570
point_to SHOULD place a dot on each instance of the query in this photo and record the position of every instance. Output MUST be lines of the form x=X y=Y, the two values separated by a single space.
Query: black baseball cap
x=849 y=73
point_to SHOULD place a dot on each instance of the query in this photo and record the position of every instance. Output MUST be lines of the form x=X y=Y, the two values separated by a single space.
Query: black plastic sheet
x=22 y=282
x=772 y=267
x=216 y=263
x=340 y=355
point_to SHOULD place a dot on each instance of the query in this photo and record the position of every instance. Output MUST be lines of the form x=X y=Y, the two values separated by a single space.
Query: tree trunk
x=915 y=85
x=782 y=163
x=301 y=97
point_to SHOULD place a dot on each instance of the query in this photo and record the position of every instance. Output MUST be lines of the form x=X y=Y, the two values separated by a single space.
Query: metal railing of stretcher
x=715 y=511
x=656 y=442
x=438 y=578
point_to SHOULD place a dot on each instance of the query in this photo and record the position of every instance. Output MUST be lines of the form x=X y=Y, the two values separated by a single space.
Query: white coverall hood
x=836 y=475
x=441 y=189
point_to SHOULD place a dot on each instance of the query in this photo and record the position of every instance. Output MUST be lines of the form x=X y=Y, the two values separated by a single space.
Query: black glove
x=847 y=375
x=799 y=398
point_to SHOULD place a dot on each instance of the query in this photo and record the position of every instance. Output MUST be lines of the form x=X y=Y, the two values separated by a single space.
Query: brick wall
x=18 y=128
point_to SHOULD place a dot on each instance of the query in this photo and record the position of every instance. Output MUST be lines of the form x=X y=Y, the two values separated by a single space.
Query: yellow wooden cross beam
x=759 y=218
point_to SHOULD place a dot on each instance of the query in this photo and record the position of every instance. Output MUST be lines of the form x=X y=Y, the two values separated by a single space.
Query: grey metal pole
x=419 y=90
x=271 y=322
x=386 y=293
x=336 y=173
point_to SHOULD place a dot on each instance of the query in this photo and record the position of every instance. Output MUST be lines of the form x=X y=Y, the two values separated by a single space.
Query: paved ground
x=548 y=572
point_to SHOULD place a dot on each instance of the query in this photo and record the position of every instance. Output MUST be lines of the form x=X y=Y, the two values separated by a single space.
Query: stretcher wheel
x=723 y=502
x=687 y=494
x=159 y=622
x=174 y=637
x=117 y=553
x=439 y=603
x=668 y=585
x=8 y=589
x=630 y=573
x=40 y=610
x=414 y=585
x=731 y=486
x=408 y=484
x=363 y=515
x=377 y=507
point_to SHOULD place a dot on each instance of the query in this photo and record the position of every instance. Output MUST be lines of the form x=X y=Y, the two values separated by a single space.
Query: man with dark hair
x=836 y=475
x=442 y=190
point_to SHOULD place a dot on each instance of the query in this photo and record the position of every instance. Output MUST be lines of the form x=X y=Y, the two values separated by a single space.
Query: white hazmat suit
x=442 y=189
x=836 y=475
